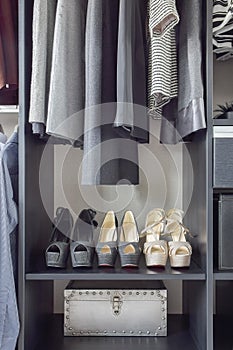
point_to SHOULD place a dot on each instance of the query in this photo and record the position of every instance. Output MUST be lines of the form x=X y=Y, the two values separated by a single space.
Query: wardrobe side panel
x=38 y=217
x=194 y=294
x=196 y=215
x=38 y=309
x=25 y=22
x=34 y=222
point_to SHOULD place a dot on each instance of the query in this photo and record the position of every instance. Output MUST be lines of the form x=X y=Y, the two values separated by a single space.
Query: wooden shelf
x=142 y=273
x=222 y=122
x=178 y=338
x=223 y=275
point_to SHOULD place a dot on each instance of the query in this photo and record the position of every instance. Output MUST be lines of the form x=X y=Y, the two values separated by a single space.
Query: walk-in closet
x=146 y=132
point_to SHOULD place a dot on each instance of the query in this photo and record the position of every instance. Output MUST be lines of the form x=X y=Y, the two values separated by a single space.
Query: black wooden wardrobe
x=193 y=330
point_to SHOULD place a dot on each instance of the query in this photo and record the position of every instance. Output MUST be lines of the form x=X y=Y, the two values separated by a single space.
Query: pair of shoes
x=127 y=245
x=82 y=249
x=159 y=223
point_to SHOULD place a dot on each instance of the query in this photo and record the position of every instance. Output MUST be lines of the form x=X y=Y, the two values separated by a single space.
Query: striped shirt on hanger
x=162 y=70
x=223 y=28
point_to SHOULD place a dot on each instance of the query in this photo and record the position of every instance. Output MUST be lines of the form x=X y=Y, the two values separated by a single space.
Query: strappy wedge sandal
x=180 y=250
x=83 y=248
x=106 y=247
x=128 y=245
x=155 y=249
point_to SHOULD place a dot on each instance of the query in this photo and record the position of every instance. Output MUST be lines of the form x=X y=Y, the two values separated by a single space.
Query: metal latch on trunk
x=116 y=304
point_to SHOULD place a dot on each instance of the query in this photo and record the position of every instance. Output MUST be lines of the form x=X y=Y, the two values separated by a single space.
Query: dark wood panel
x=38 y=307
x=195 y=305
x=196 y=215
x=224 y=292
x=25 y=21
x=223 y=338
x=33 y=218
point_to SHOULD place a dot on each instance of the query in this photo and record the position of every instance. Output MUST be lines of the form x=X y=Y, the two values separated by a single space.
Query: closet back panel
x=160 y=182
x=223 y=87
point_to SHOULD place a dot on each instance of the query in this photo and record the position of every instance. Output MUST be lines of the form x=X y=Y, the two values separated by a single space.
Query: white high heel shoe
x=155 y=249
x=180 y=250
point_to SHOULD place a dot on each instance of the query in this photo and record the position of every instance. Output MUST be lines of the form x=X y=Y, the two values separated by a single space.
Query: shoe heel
x=156 y=260
x=155 y=249
x=107 y=259
x=81 y=256
x=106 y=248
x=82 y=249
x=180 y=250
x=129 y=260
x=57 y=254
x=128 y=246
x=180 y=261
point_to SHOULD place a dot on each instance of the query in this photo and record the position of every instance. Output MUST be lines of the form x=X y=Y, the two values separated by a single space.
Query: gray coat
x=9 y=319
x=67 y=85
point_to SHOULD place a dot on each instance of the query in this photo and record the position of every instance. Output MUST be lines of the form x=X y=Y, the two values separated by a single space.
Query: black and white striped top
x=162 y=16
x=162 y=70
x=223 y=28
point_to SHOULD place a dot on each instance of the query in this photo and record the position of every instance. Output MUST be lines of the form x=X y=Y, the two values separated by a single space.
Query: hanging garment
x=3 y=139
x=8 y=51
x=163 y=16
x=110 y=155
x=223 y=29
x=44 y=13
x=93 y=93
x=9 y=319
x=67 y=86
x=117 y=162
x=10 y=157
x=162 y=71
x=185 y=114
x=83 y=43
x=132 y=70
